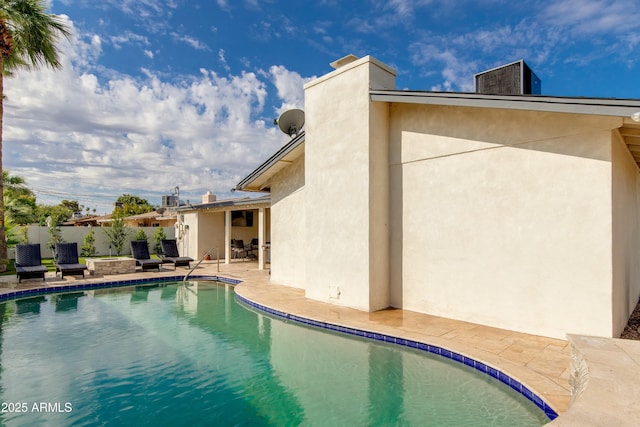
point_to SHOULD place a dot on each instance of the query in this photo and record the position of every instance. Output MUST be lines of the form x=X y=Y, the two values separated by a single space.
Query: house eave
x=258 y=180
x=230 y=204
x=594 y=106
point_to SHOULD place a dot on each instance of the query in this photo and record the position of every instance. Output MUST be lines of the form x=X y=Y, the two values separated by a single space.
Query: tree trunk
x=3 y=237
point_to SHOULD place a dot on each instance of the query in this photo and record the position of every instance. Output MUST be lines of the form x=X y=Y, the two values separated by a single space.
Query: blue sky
x=156 y=94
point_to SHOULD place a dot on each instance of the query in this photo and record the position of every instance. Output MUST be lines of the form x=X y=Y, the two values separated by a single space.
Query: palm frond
x=35 y=35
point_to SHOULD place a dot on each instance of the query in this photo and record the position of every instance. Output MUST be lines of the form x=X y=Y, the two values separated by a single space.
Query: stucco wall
x=191 y=241
x=502 y=217
x=206 y=230
x=341 y=160
x=211 y=233
x=626 y=234
x=288 y=242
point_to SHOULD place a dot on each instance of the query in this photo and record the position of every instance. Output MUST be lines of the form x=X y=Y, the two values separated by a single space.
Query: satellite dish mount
x=291 y=121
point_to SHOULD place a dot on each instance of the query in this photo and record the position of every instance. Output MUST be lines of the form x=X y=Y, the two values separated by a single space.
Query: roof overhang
x=258 y=180
x=595 y=106
x=242 y=203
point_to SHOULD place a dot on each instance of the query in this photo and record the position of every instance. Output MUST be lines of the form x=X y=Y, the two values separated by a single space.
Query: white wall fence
x=38 y=234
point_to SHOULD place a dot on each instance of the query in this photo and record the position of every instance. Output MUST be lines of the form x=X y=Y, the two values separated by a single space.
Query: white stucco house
x=520 y=212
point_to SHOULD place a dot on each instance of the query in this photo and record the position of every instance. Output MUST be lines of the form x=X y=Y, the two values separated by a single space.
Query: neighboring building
x=514 y=211
x=91 y=220
x=160 y=218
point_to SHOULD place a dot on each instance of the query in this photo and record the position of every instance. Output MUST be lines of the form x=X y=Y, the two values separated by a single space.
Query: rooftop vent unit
x=511 y=79
x=169 y=201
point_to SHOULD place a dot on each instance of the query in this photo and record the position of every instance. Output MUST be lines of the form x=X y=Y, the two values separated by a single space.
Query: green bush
x=157 y=237
x=88 y=248
x=55 y=235
x=117 y=234
x=141 y=235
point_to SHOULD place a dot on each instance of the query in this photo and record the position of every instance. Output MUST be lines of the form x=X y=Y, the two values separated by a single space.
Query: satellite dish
x=291 y=121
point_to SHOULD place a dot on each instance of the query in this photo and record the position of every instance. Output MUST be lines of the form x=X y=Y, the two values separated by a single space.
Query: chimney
x=344 y=61
x=208 y=198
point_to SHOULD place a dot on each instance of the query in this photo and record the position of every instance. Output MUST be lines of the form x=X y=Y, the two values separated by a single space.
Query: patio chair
x=140 y=251
x=171 y=255
x=238 y=248
x=252 y=247
x=67 y=262
x=29 y=262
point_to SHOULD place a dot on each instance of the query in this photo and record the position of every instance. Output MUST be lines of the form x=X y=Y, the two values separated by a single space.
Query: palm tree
x=19 y=200
x=28 y=38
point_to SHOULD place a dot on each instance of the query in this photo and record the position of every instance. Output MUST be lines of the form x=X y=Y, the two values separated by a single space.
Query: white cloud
x=191 y=41
x=75 y=134
x=588 y=17
x=223 y=60
x=289 y=85
x=456 y=70
x=128 y=37
x=143 y=8
x=389 y=13
x=405 y=8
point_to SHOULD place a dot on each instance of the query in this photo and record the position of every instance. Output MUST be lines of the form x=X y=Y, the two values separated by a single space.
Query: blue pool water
x=170 y=355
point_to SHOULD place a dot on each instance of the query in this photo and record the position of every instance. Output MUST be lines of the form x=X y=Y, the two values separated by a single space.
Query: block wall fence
x=39 y=234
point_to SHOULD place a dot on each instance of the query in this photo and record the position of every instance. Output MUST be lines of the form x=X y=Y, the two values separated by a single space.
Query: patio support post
x=261 y=238
x=227 y=236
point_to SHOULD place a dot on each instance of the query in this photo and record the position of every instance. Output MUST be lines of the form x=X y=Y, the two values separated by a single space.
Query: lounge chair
x=29 y=262
x=140 y=251
x=67 y=260
x=171 y=255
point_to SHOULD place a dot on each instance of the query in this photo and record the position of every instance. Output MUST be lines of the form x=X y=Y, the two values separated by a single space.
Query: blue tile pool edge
x=54 y=289
x=440 y=351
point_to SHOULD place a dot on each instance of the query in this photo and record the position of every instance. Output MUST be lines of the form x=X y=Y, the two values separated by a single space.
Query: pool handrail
x=207 y=253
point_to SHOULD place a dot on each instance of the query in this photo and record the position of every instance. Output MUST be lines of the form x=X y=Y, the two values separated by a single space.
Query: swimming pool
x=166 y=354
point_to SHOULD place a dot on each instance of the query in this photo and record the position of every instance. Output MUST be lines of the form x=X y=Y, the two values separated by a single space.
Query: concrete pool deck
x=604 y=373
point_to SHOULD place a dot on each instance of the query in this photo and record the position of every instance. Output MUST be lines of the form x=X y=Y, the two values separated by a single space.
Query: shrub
x=88 y=248
x=157 y=237
x=55 y=236
x=141 y=235
x=117 y=234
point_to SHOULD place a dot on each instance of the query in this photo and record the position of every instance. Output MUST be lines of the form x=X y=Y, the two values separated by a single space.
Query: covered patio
x=209 y=229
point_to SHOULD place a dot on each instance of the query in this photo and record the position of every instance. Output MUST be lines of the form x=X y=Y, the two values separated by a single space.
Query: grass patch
x=11 y=267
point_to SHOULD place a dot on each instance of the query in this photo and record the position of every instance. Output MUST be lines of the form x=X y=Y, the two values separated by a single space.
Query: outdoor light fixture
x=636 y=117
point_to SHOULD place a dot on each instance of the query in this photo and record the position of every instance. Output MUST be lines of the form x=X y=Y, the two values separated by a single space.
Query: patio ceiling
x=630 y=132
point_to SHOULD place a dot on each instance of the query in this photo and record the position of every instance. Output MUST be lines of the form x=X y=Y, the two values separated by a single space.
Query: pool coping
x=458 y=357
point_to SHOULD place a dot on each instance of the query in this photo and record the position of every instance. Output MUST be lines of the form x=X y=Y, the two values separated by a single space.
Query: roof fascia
x=595 y=106
x=270 y=162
